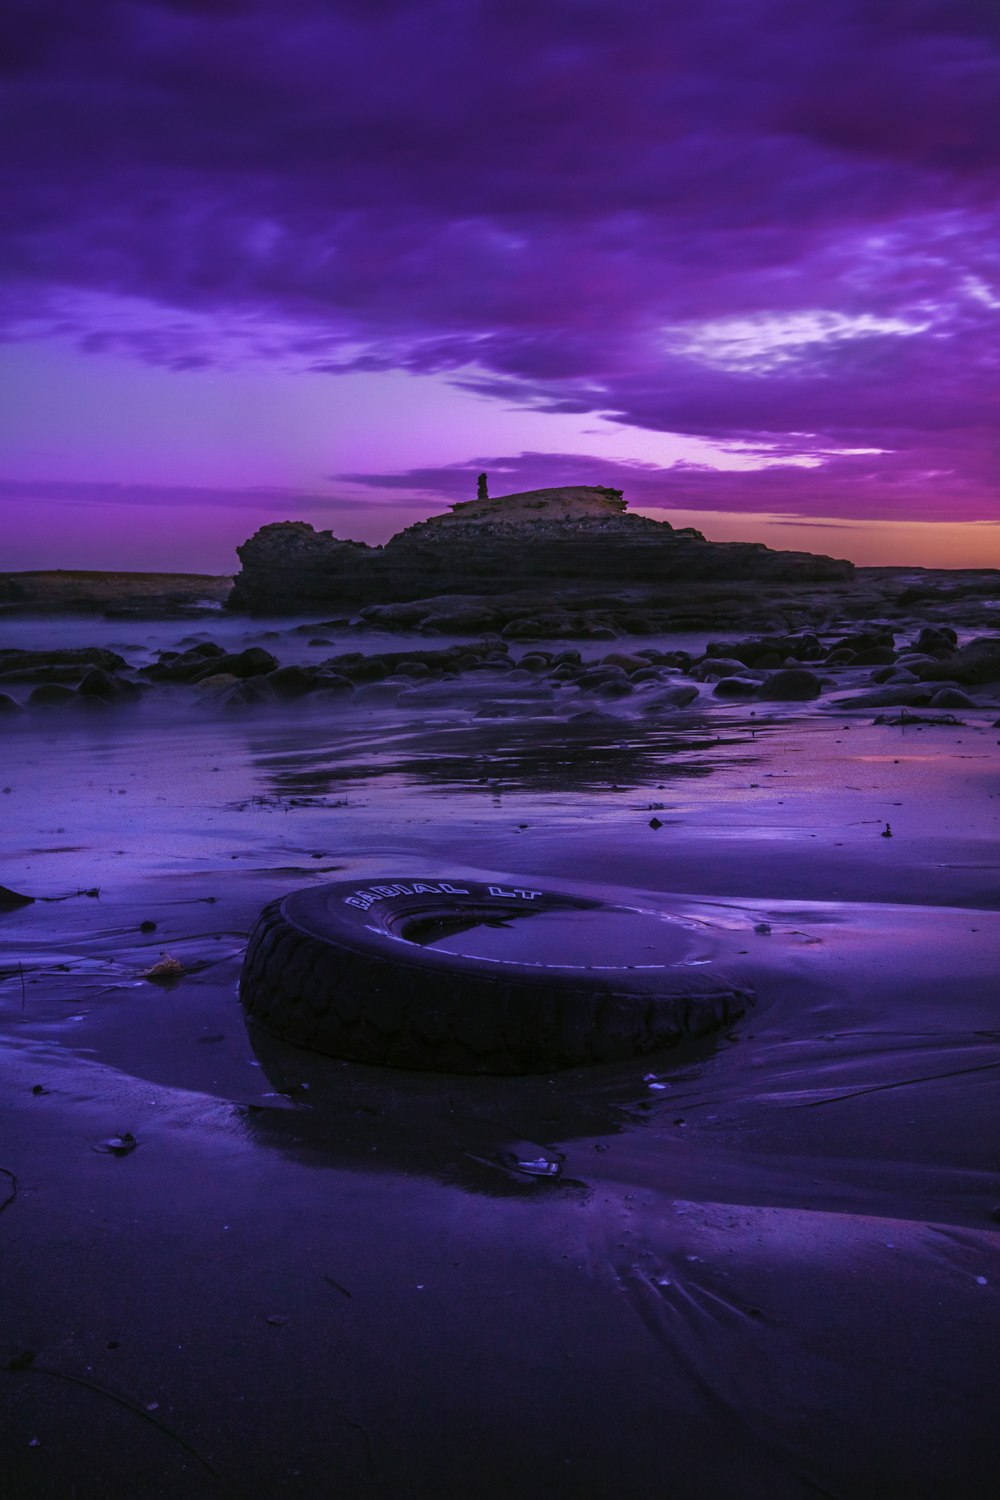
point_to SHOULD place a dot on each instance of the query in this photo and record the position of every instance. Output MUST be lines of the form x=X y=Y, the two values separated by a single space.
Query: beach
x=765 y=1263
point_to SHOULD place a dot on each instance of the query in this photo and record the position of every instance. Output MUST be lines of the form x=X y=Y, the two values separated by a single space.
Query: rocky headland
x=550 y=542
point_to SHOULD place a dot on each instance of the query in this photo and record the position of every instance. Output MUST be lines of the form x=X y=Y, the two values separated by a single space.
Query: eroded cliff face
x=552 y=538
x=288 y=566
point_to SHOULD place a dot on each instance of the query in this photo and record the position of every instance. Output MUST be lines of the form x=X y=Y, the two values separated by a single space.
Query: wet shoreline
x=752 y=1245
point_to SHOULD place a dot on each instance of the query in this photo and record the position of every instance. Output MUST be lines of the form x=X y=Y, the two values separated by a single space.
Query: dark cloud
x=548 y=200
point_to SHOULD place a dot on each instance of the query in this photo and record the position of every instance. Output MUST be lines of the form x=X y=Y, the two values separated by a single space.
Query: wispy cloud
x=269 y=502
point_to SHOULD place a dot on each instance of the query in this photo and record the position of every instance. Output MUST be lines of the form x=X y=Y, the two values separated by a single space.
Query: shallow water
x=768 y=1261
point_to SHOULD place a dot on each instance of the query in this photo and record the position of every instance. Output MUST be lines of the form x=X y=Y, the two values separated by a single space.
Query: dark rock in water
x=184 y=666
x=291 y=682
x=624 y=660
x=875 y=656
x=767 y=651
x=864 y=640
x=33 y=675
x=538 y=628
x=894 y=674
x=357 y=667
x=735 y=687
x=253 y=662
x=598 y=675
x=794 y=684
x=332 y=682
x=101 y=684
x=14 y=659
x=936 y=638
x=613 y=687
x=533 y=540
x=717 y=666
x=950 y=697
x=976 y=662
x=52 y=695
x=209 y=660
x=679 y=696
x=915 y=695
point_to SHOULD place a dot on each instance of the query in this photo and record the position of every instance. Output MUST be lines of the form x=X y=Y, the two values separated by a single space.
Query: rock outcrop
x=71 y=591
x=579 y=535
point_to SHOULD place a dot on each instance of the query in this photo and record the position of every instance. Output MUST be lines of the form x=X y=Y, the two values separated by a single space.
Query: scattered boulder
x=34 y=675
x=106 y=686
x=976 y=662
x=253 y=662
x=679 y=696
x=291 y=682
x=950 y=697
x=864 y=640
x=936 y=638
x=914 y=695
x=52 y=695
x=875 y=656
x=713 y=667
x=792 y=684
x=79 y=656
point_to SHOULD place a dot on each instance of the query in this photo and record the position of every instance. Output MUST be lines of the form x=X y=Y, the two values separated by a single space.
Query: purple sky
x=329 y=258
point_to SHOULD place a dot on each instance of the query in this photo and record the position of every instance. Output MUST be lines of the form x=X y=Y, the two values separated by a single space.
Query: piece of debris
x=544 y=1164
x=655 y=823
x=117 y=1145
x=340 y=1288
x=165 y=971
x=147 y=926
x=902 y=720
x=763 y=928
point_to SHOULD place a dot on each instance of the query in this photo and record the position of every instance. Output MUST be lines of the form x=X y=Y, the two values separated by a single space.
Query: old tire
x=343 y=969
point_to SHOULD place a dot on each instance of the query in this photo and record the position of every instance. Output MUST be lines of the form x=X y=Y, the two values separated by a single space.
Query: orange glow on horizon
x=893 y=544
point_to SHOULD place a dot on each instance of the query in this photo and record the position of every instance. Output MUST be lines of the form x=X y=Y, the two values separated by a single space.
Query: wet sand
x=765 y=1265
